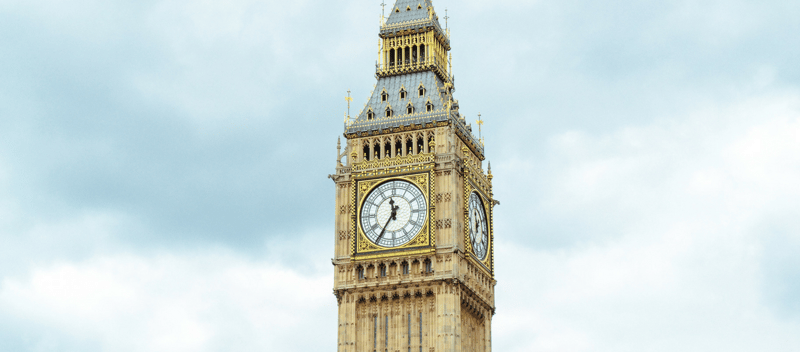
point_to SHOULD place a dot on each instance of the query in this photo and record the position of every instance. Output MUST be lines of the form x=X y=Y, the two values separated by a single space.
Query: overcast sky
x=163 y=170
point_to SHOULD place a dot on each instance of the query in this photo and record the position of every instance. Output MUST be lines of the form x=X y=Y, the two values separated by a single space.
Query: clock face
x=393 y=213
x=478 y=229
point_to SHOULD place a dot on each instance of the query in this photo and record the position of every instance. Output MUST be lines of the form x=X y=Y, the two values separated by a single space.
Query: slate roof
x=392 y=86
x=407 y=14
x=415 y=13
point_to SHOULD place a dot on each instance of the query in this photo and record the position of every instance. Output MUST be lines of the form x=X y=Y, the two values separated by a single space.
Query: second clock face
x=393 y=213
x=478 y=229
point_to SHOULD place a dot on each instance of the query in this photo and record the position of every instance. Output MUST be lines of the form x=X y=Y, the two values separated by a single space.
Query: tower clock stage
x=414 y=254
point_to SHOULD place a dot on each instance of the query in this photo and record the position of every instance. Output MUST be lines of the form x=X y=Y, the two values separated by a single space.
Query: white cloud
x=200 y=302
x=681 y=266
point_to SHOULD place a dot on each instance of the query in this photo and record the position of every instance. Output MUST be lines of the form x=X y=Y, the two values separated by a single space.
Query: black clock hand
x=392 y=217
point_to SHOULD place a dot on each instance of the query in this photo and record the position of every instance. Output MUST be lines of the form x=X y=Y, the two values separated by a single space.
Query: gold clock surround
x=420 y=175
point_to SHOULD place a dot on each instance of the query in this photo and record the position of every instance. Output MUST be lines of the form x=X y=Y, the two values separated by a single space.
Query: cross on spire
x=383 y=9
x=445 y=18
x=348 y=98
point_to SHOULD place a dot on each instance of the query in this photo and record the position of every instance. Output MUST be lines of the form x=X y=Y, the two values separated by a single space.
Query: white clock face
x=393 y=213
x=478 y=229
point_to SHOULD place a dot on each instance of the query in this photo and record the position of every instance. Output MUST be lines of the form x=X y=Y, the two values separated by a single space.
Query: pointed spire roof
x=413 y=15
x=409 y=10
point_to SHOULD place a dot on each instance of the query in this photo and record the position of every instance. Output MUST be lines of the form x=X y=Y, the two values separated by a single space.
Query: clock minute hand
x=391 y=217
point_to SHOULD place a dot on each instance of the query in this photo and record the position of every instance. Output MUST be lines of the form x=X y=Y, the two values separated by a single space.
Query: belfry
x=414 y=242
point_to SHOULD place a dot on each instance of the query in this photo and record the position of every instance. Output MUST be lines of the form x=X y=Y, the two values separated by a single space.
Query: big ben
x=414 y=241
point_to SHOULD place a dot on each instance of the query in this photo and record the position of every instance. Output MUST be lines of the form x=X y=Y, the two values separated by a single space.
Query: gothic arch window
x=383 y=270
x=407 y=55
x=389 y=111
x=366 y=152
x=409 y=146
x=387 y=149
x=422 y=52
x=405 y=268
x=420 y=145
x=391 y=57
x=403 y=93
x=370 y=114
x=384 y=96
x=421 y=90
x=428 y=266
x=410 y=109
x=414 y=53
x=398 y=146
x=360 y=271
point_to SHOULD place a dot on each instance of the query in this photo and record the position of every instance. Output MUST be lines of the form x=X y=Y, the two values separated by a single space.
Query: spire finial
x=383 y=11
x=349 y=99
x=446 y=17
x=480 y=123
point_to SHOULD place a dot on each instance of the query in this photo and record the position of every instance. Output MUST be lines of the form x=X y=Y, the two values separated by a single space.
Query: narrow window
x=398 y=147
x=388 y=112
x=391 y=57
x=375 y=333
x=366 y=153
x=407 y=55
x=414 y=53
x=420 y=331
x=386 y=332
x=370 y=115
x=383 y=270
x=421 y=91
x=410 y=109
x=387 y=153
x=361 y=273
x=422 y=52
x=405 y=268
x=429 y=107
x=409 y=146
x=428 y=266
x=408 y=322
x=420 y=145
x=384 y=97
x=402 y=94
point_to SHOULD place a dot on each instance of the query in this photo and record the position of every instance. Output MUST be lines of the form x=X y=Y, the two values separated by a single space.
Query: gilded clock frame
x=475 y=181
x=420 y=175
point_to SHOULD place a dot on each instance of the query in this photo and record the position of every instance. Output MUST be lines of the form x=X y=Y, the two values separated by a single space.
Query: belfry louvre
x=414 y=254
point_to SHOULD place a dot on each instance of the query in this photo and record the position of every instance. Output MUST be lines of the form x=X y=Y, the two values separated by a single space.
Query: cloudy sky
x=163 y=170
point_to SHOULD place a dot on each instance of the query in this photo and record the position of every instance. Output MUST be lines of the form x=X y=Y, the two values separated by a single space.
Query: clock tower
x=414 y=242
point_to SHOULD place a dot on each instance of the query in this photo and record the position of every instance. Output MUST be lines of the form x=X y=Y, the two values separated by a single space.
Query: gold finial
x=446 y=17
x=480 y=123
x=348 y=98
x=489 y=171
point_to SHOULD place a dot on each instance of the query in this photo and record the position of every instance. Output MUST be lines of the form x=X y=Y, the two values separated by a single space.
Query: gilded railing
x=396 y=161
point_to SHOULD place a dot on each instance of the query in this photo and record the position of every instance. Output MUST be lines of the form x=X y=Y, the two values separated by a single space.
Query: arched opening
x=410 y=109
x=403 y=94
x=405 y=267
x=388 y=112
x=360 y=271
x=387 y=149
x=429 y=107
x=407 y=56
x=391 y=57
x=370 y=114
x=384 y=96
x=376 y=153
x=409 y=146
x=398 y=147
x=383 y=270
x=428 y=266
x=420 y=145
x=366 y=152
x=414 y=53
x=421 y=90
x=422 y=52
